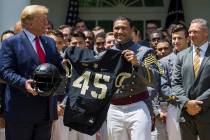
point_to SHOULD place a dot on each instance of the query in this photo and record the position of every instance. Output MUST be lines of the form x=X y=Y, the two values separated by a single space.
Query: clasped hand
x=193 y=107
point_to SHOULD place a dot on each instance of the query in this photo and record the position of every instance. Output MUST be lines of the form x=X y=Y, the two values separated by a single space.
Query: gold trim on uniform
x=151 y=59
x=149 y=74
x=120 y=78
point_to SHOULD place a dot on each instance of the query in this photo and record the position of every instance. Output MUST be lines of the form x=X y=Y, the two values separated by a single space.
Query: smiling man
x=28 y=115
x=128 y=116
x=180 y=40
x=190 y=83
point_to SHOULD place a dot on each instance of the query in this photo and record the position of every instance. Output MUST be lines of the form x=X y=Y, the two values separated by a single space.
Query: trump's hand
x=29 y=88
x=60 y=110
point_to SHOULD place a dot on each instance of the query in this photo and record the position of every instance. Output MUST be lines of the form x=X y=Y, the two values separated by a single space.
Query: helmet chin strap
x=43 y=93
x=40 y=91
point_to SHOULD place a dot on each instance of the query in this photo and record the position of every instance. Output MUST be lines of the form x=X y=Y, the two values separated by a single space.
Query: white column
x=10 y=13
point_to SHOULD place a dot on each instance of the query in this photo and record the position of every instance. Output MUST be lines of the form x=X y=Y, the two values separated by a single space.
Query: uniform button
x=132 y=83
x=131 y=90
x=134 y=76
x=120 y=91
x=130 y=96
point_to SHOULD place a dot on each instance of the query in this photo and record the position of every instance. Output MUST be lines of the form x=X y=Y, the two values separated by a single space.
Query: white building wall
x=57 y=10
x=196 y=9
x=10 y=13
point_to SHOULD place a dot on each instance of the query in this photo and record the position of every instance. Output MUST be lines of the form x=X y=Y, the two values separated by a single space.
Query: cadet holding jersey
x=128 y=116
x=92 y=80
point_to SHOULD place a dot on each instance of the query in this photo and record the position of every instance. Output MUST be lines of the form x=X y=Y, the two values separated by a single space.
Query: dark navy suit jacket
x=18 y=60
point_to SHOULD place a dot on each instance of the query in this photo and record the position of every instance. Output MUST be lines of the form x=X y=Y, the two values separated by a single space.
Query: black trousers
x=28 y=131
x=191 y=129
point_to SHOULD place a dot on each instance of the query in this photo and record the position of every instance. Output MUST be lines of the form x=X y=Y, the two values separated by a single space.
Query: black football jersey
x=91 y=85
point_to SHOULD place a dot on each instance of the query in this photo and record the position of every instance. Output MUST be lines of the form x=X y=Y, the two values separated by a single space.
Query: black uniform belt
x=131 y=99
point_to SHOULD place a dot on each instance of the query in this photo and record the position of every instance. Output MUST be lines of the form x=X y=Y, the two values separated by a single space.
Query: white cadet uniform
x=2 y=133
x=172 y=125
x=129 y=117
x=129 y=122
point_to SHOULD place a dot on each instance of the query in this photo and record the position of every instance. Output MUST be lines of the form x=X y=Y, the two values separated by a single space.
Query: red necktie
x=39 y=50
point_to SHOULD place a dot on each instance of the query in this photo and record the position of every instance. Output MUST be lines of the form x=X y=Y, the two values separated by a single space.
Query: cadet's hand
x=192 y=107
x=130 y=56
x=163 y=116
x=28 y=86
x=60 y=110
x=98 y=135
x=2 y=122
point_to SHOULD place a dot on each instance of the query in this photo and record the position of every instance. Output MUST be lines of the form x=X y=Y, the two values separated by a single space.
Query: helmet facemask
x=46 y=79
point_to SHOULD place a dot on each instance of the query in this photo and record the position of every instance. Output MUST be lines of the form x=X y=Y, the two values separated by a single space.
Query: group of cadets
x=136 y=118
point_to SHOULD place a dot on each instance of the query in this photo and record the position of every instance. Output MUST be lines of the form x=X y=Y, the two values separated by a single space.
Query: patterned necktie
x=39 y=50
x=196 y=61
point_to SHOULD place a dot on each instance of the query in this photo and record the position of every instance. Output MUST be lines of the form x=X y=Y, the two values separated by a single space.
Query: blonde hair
x=29 y=13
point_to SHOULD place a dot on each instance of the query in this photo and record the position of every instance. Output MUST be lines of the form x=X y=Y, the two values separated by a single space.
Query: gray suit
x=186 y=87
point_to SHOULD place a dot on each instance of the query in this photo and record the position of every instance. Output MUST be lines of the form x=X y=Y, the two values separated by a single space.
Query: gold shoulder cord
x=151 y=59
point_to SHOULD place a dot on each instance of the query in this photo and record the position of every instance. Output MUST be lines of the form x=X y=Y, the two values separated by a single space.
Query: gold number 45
x=82 y=82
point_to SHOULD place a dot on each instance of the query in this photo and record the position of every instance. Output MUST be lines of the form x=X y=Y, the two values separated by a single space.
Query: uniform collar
x=124 y=46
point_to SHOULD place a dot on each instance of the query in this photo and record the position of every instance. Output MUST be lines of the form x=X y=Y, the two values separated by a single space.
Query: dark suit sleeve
x=203 y=91
x=8 y=66
x=2 y=98
x=57 y=59
x=205 y=97
x=177 y=87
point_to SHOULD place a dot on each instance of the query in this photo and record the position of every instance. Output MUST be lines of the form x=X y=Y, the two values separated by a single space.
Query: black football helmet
x=46 y=79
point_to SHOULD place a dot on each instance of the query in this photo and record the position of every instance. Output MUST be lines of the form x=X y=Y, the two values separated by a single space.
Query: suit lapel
x=29 y=48
x=190 y=64
x=206 y=57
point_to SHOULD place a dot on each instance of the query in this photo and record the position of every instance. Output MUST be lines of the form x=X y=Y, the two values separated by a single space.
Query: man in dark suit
x=6 y=34
x=28 y=116
x=190 y=84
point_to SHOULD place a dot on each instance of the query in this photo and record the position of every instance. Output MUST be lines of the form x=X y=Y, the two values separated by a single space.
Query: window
x=102 y=12
x=116 y=3
x=107 y=24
